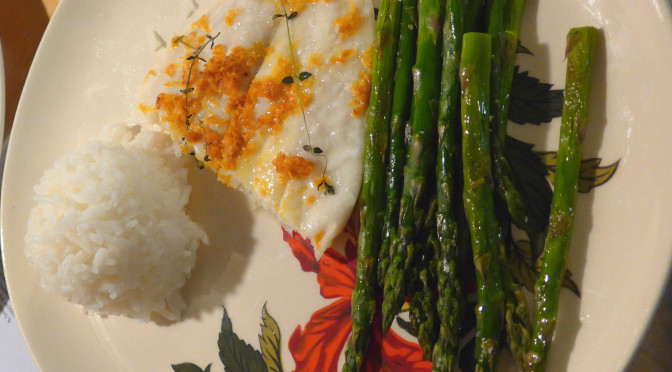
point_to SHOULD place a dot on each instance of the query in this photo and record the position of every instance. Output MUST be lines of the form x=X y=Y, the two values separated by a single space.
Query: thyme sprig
x=296 y=80
x=193 y=57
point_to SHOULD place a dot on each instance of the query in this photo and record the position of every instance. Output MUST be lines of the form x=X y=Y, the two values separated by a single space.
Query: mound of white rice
x=110 y=231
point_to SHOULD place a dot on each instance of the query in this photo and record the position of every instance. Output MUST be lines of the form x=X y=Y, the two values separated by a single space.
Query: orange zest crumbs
x=317 y=181
x=189 y=41
x=202 y=23
x=231 y=16
x=175 y=41
x=145 y=109
x=223 y=74
x=318 y=238
x=316 y=60
x=262 y=186
x=226 y=82
x=283 y=98
x=293 y=167
x=170 y=69
x=150 y=73
x=342 y=56
x=349 y=23
x=367 y=58
x=361 y=91
x=194 y=136
x=224 y=178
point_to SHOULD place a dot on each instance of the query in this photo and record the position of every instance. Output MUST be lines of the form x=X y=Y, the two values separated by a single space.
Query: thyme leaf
x=315 y=151
x=195 y=56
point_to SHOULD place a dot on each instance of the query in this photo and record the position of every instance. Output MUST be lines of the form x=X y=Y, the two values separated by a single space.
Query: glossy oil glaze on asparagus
x=478 y=197
x=401 y=106
x=420 y=157
x=372 y=197
x=448 y=167
x=580 y=53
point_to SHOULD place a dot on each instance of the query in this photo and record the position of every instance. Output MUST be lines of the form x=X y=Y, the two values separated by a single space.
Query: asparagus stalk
x=580 y=52
x=423 y=312
x=472 y=15
x=503 y=26
x=371 y=201
x=478 y=197
x=447 y=167
x=403 y=93
x=421 y=154
x=505 y=63
x=517 y=323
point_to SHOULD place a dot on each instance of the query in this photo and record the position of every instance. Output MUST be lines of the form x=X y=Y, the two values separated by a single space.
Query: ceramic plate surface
x=87 y=73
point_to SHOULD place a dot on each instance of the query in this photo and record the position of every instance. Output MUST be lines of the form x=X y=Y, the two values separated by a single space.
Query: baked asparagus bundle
x=436 y=172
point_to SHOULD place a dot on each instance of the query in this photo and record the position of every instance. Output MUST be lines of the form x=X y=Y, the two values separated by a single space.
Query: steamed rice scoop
x=110 y=231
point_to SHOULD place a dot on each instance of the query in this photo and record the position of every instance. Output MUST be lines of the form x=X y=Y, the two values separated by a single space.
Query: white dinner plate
x=87 y=73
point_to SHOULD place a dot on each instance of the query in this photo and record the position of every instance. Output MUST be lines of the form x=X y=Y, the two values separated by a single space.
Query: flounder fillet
x=235 y=110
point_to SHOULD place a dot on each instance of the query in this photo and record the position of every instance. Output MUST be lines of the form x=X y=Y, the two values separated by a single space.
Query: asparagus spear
x=503 y=26
x=371 y=201
x=505 y=61
x=447 y=166
x=423 y=312
x=403 y=85
x=516 y=316
x=478 y=197
x=472 y=15
x=580 y=53
x=421 y=153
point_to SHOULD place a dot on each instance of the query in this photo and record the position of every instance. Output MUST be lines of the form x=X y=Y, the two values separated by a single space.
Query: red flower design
x=319 y=345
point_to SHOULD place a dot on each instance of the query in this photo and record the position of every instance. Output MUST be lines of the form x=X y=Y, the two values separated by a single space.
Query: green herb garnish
x=296 y=79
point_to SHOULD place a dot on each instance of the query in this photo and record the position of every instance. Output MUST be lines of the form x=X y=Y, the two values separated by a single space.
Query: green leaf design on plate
x=520 y=260
x=533 y=102
x=525 y=272
x=530 y=174
x=236 y=354
x=239 y=356
x=568 y=283
x=269 y=340
x=591 y=174
x=189 y=367
x=522 y=49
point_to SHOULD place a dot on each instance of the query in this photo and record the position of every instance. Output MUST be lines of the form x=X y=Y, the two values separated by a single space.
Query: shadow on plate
x=226 y=216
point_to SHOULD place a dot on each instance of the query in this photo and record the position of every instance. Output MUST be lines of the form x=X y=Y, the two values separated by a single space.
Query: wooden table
x=22 y=23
